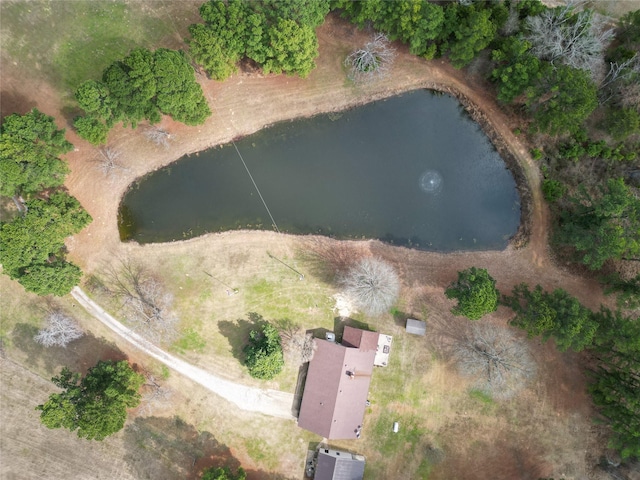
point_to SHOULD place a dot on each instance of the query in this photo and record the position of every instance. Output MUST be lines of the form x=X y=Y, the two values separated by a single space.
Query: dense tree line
x=578 y=80
x=33 y=250
x=501 y=363
x=611 y=339
x=278 y=35
x=457 y=30
x=616 y=378
x=142 y=86
x=30 y=149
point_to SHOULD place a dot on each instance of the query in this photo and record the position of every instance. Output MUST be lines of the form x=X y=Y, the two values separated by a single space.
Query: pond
x=412 y=170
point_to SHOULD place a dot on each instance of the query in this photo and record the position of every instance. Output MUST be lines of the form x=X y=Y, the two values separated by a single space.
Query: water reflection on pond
x=412 y=170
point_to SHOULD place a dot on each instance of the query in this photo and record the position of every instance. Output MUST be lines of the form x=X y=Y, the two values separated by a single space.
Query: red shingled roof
x=336 y=389
x=362 y=339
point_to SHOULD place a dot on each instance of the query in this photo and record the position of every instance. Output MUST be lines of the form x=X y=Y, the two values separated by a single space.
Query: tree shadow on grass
x=327 y=258
x=169 y=448
x=13 y=102
x=79 y=355
x=237 y=333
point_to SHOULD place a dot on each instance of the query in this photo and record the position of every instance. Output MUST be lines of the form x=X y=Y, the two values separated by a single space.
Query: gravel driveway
x=269 y=402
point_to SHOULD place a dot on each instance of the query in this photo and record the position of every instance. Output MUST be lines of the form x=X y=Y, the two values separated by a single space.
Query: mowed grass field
x=70 y=41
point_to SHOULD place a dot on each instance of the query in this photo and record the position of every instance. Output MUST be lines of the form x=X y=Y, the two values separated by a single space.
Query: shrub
x=476 y=293
x=264 y=357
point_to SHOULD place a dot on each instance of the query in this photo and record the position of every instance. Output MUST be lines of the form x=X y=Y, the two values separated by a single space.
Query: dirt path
x=269 y=402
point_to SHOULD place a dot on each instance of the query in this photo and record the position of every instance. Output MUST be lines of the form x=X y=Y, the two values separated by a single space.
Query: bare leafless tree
x=577 y=39
x=620 y=82
x=512 y=23
x=59 y=331
x=630 y=95
x=500 y=361
x=108 y=161
x=371 y=62
x=372 y=285
x=145 y=302
x=297 y=345
x=158 y=136
x=153 y=395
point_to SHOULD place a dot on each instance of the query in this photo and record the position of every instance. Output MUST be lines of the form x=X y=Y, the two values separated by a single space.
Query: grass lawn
x=69 y=42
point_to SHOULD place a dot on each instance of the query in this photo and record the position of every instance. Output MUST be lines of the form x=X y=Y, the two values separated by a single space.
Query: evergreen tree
x=556 y=314
x=223 y=473
x=33 y=244
x=30 y=147
x=603 y=226
x=516 y=71
x=616 y=379
x=562 y=100
x=264 y=357
x=476 y=293
x=142 y=86
x=96 y=405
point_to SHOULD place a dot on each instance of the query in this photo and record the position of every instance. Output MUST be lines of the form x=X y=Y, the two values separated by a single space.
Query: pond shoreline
x=518 y=240
x=248 y=102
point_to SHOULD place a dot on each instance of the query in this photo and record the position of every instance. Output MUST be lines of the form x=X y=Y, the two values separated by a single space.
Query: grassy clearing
x=70 y=42
x=14 y=310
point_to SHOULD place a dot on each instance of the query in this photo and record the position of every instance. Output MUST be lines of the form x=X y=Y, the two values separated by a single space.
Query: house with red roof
x=337 y=385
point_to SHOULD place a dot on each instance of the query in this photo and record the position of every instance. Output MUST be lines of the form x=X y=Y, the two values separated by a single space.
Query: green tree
x=628 y=291
x=92 y=129
x=603 y=226
x=291 y=49
x=304 y=12
x=516 y=69
x=622 y=122
x=141 y=86
x=556 y=314
x=30 y=147
x=96 y=405
x=223 y=473
x=360 y=13
x=178 y=93
x=553 y=190
x=414 y=22
x=562 y=100
x=278 y=35
x=54 y=278
x=132 y=85
x=476 y=293
x=616 y=378
x=33 y=244
x=466 y=31
x=264 y=357
x=220 y=43
x=95 y=98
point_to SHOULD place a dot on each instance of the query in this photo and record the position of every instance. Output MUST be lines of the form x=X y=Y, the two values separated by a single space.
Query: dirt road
x=268 y=402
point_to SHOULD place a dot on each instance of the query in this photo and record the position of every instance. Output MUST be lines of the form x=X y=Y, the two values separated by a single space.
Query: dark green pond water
x=411 y=170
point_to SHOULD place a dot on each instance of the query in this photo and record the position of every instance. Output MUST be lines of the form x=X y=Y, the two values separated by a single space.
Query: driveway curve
x=269 y=402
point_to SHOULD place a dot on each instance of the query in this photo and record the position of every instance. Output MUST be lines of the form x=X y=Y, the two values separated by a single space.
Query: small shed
x=339 y=465
x=416 y=327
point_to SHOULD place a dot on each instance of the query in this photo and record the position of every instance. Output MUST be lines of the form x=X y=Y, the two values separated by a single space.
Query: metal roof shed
x=416 y=327
x=338 y=465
